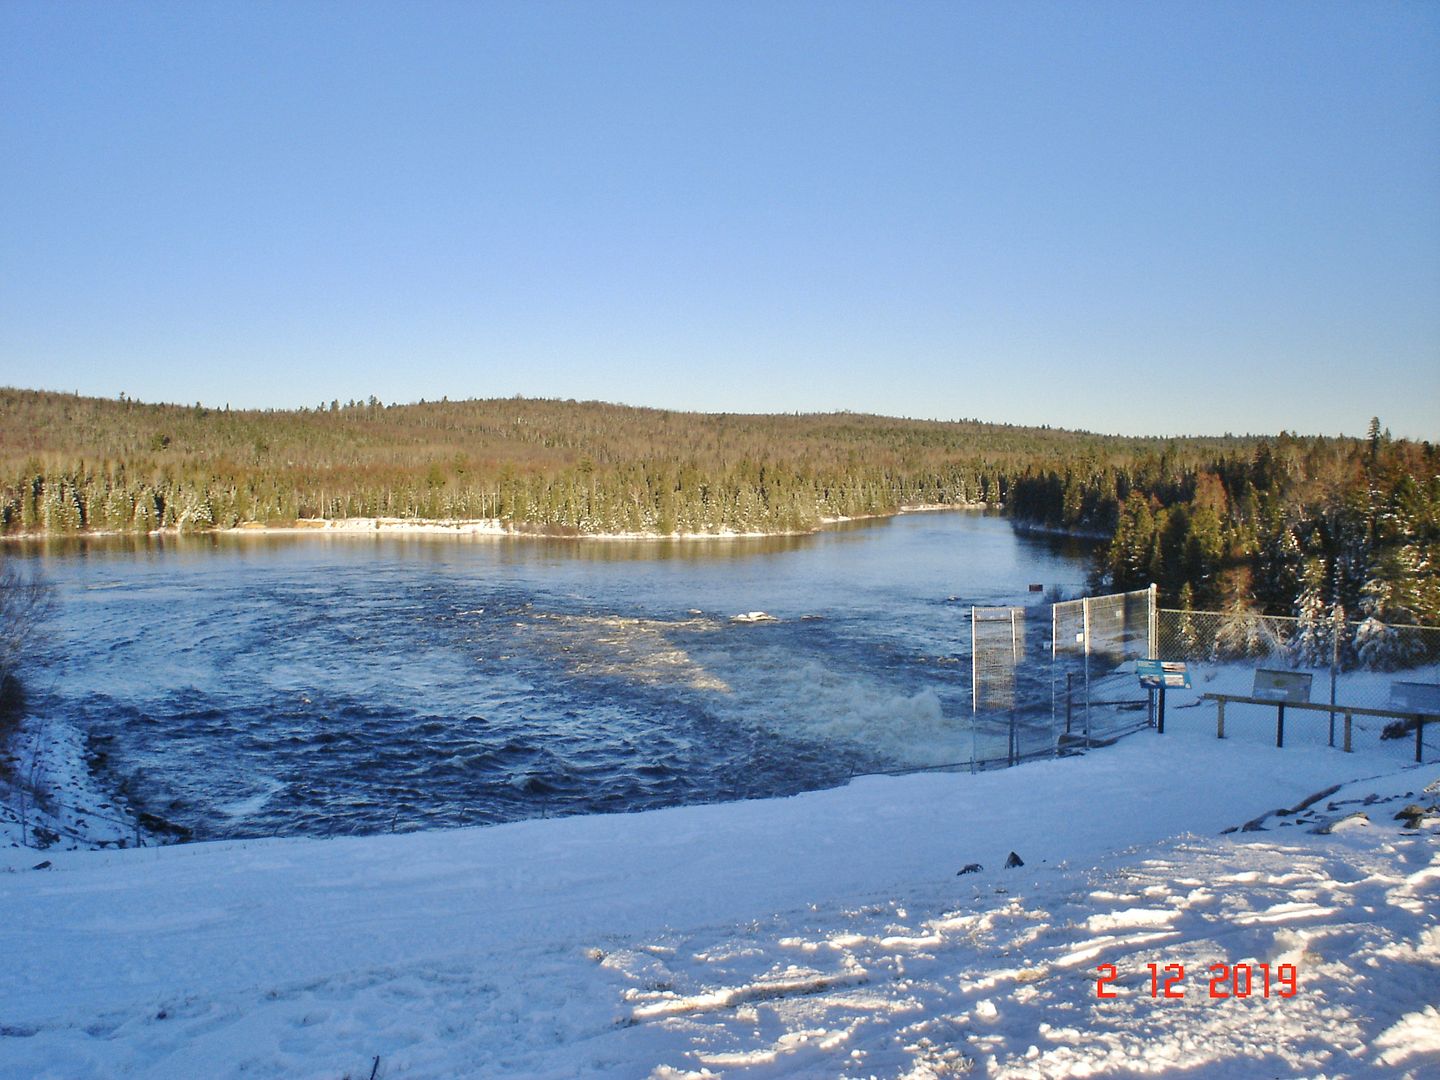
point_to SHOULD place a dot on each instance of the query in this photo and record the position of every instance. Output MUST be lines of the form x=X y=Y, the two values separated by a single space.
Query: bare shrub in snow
x=26 y=601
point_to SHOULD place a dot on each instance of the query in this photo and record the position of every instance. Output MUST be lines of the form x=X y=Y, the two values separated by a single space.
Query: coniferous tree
x=1204 y=553
x=1313 y=644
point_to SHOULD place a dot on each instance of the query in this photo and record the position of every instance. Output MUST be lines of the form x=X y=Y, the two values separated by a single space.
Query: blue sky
x=1137 y=218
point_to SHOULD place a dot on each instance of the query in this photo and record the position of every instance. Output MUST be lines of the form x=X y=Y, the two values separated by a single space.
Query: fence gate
x=997 y=636
x=1090 y=638
x=997 y=654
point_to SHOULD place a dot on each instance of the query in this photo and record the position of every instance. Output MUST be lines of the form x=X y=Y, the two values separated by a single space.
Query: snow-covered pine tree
x=1343 y=656
x=1131 y=550
x=1314 y=641
x=1245 y=634
x=1190 y=644
x=1378 y=645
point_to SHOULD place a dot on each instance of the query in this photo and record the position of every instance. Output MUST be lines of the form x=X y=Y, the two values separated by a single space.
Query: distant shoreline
x=476 y=527
x=1038 y=529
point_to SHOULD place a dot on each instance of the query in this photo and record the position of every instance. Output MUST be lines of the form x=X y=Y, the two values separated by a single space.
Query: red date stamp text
x=1226 y=980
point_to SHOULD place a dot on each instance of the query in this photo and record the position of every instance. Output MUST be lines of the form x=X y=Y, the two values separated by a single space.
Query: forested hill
x=72 y=463
x=1273 y=522
x=1320 y=528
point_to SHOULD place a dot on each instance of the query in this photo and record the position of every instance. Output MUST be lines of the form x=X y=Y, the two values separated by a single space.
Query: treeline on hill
x=72 y=463
x=1313 y=527
x=1213 y=520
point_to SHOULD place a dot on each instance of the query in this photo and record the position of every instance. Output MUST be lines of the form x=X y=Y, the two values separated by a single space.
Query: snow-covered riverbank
x=49 y=800
x=478 y=527
x=829 y=934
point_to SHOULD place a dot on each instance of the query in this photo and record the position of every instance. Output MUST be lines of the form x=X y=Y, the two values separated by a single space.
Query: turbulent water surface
x=245 y=686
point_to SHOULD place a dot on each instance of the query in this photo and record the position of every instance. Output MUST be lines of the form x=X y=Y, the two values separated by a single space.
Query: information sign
x=1423 y=698
x=1282 y=685
x=1163 y=674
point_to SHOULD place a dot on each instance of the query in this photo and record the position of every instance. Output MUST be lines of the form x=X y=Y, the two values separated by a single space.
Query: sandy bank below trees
x=477 y=527
x=496 y=527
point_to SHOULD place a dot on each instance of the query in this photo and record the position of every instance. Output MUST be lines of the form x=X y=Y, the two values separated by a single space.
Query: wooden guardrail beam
x=1348 y=711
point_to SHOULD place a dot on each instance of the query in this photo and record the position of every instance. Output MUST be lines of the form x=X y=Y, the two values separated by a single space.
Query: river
x=257 y=685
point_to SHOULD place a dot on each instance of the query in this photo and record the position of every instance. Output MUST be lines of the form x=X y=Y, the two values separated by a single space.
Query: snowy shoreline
x=52 y=796
x=481 y=527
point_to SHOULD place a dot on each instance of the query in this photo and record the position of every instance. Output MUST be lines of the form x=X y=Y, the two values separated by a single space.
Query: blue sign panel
x=1163 y=674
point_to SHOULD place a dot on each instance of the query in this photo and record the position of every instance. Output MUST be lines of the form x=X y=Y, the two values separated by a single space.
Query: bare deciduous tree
x=26 y=601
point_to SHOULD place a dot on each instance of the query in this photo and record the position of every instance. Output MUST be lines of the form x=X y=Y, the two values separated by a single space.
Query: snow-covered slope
x=824 y=935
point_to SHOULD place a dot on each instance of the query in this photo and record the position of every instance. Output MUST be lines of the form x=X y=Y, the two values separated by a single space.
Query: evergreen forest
x=1283 y=524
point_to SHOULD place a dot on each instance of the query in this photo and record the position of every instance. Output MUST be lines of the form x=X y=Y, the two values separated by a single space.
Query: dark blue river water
x=250 y=685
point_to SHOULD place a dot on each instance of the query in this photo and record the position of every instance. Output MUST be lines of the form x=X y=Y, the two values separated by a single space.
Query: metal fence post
x=1336 y=630
x=974 y=667
x=1153 y=652
x=1220 y=719
x=1069 y=683
x=1054 y=679
x=1085 y=615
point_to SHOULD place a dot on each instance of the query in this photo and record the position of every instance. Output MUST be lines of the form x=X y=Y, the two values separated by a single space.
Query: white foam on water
x=242 y=808
x=815 y=703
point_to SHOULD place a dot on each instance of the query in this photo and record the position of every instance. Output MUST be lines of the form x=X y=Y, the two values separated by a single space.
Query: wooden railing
x=1349 y=711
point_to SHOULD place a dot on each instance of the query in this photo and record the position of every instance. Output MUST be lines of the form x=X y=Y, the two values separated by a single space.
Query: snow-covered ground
x=48 y=798
x=826 y=935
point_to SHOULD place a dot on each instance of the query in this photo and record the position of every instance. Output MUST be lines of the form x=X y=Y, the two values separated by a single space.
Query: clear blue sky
x=1130 y=218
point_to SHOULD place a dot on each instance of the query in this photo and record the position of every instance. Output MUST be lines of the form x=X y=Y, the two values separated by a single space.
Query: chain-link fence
x=1364 y=665
x=997 y=636
x=1091 y=638
x=1039 y=685
x=1004 y=722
